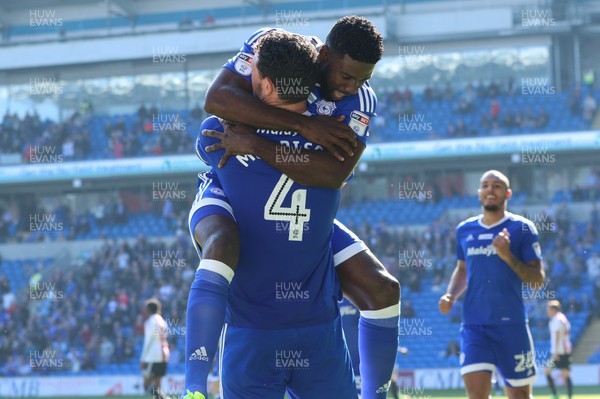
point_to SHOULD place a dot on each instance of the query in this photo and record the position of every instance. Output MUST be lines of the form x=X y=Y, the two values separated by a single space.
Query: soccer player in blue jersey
x=498 y=252
x=347 y=60
x=283 y=331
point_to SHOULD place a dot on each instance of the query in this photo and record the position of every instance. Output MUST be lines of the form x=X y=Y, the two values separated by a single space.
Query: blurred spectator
x=408 y=312
x=575 y=101
x=589 y=108
x=452 y=350
x=593 y=265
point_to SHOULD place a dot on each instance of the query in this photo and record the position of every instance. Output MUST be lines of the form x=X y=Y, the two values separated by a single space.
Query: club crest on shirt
x=325 y=107
x=243 y=64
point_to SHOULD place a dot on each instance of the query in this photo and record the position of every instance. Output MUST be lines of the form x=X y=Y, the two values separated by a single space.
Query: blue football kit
x=213 y=197
x=495 y=332
x=285 y=283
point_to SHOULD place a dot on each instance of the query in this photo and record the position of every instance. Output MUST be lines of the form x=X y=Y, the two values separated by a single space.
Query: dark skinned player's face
x=342 y=76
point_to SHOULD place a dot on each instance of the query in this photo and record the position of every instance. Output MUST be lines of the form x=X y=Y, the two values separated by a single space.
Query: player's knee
x=222 y=245
x=388 y=293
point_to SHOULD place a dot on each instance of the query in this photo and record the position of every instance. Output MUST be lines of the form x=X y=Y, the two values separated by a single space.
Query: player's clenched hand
x=445 y=303
x=330 y=133
x=502 y=244
x=236 y=140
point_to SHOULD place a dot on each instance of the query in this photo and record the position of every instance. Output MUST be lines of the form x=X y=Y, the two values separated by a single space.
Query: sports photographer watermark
x=542 y=223
x=290 y=291
x=537 y=155
x=43 y=291
x=537 y=19
x=291 y=359
x=167 y=55
x=411 y=259
x=285 y=18
x=539 y=87
x=44 y=222
x=168 y=123
x=174 y=328
x=44 y=154
x=167 y=190
x=409 y=190
x=413 y=393
x=413 y=55
x=414 y=123
x=414 y=326
x=285 y=155
x=44 y=18
x=45 y=87
x=46 y=360
x=168 y=259
x=287 y=88
x=537 y=291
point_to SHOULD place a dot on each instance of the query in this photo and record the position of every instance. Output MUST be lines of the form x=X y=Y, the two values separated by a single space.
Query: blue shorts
x=211 y=200
x=509 y=348
x=307 y=362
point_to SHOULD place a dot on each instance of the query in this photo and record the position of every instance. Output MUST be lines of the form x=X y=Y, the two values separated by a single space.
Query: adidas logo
x=200 y=354
x=384 y=388
x=470 y=237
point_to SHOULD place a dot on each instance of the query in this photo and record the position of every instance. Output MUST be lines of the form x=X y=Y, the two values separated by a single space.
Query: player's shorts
x=563 y=362
x=155 y=370
x=211 y=200
x=508 y=348
x=307 y=362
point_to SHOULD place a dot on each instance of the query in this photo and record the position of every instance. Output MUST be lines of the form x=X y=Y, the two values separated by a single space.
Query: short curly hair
x=290 y=61
x=357 y=37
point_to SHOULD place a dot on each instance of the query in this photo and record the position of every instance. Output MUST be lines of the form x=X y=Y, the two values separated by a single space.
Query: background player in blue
x=497 y=252
x=347 y=61
x=282 y=301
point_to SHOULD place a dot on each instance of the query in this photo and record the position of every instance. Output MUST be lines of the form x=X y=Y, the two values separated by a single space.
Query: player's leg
x=215 y=236
x=478 y=384
x=513 y=347
x=322 y=371
x=249 y=362
x=350 y=319
x=477 y=362
x=565 y=370
x=551 y=385
x=376 y=293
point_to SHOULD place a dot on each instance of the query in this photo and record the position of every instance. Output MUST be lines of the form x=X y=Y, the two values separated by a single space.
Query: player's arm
x=230 y=97
x=308 y=167
x=456 y=287
x=531 y=272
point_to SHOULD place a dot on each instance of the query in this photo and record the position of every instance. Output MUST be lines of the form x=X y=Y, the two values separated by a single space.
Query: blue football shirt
x=495 y=292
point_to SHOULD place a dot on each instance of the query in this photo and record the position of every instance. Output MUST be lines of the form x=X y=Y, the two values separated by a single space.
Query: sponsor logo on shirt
x=488 y=250
x=243 y=64
x=359 y=122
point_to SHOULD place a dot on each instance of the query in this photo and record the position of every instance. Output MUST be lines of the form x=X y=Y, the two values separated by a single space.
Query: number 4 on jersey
x=296 y=214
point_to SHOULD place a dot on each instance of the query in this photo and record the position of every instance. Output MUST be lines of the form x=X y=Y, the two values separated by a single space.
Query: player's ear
x=324 y=53
x=508 y=194
x=267 y=86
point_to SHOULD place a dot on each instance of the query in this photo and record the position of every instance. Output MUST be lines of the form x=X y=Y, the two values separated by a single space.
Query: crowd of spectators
x=150 y=132
x=79 y=316
x=29 y=136
x=26 y=220
x=95 y=317
x=480 y=100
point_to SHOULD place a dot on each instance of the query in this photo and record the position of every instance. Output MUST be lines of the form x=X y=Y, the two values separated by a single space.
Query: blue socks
x=378 y=345
x=205 y=316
